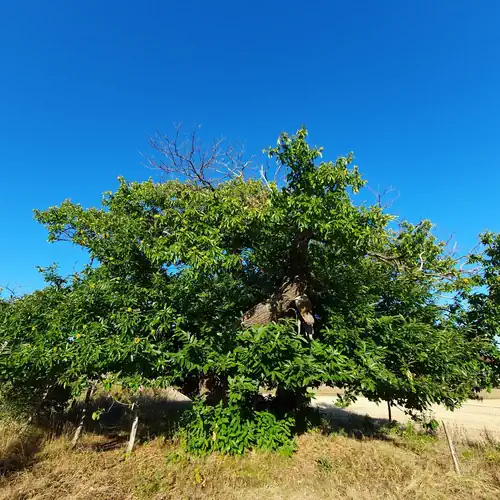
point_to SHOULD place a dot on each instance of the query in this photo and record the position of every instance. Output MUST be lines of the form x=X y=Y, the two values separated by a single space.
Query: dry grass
x=18 y=446
x=407 y=466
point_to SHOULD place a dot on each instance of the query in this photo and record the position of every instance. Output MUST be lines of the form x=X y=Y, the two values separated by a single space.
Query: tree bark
x=299 y=255
x=39 y=405
x=81 y=423
x=290 y=298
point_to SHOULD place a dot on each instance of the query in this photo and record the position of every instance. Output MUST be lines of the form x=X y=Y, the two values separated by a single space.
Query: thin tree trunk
x=452 y=449
x=38 y=406
x=389 y=409
x=133 y=430
x=81 y=422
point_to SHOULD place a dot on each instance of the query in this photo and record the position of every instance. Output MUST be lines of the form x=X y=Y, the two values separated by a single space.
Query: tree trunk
x=287 y=400
x=191 y=386
x=289 y=300
x=38 y=406
x=81 y=423
x=216 y=388
x=291 y=297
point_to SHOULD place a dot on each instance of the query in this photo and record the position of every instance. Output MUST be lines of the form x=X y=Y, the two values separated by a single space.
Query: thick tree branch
x=290 y=298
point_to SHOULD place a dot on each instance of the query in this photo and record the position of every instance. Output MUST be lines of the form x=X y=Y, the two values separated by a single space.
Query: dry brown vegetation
x=403 y=464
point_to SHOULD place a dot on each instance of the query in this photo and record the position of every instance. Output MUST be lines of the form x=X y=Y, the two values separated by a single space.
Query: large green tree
x=217 y=281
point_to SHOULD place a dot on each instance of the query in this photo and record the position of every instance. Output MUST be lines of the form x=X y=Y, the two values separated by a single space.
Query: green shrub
x=229 y=428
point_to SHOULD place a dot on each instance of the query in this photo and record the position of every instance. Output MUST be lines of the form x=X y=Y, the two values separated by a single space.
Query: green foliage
x=414 y=439
x=324 y=464
x=232 y=428
x=175 y=265
x=431 y=426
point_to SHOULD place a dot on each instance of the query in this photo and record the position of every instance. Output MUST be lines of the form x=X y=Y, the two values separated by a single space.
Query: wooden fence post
x=133 y=430
x=452 y=449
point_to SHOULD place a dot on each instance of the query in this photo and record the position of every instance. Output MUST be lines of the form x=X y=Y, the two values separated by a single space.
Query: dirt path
x=475 y=419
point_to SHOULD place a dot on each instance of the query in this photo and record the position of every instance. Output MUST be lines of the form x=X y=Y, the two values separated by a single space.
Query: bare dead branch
x=278 y=168
x=11 y=290
x=380 y=195
x=263 y=176
x=397 y=262
x=384 y=257
x=447 y=242
x=184 y=156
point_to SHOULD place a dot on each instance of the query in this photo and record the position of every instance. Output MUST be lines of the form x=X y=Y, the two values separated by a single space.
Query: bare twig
x=12 y=291
x=276 y=172
x=183 y=156
x=380 y=195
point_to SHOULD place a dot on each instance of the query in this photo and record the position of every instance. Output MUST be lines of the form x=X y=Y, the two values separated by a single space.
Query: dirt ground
x=474 y=419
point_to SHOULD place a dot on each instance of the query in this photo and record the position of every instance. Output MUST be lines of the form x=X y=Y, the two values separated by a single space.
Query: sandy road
x=475 y=419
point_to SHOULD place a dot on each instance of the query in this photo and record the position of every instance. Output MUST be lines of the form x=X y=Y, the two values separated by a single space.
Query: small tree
x=481 y=320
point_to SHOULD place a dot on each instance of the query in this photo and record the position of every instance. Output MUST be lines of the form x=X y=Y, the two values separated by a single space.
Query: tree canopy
x=227 y=284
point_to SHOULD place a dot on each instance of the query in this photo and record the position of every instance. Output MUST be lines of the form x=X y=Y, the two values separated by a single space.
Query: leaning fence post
x=133 y=430
x=452 y=449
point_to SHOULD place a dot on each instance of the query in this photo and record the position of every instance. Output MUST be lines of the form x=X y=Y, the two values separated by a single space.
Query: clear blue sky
x=412 y=87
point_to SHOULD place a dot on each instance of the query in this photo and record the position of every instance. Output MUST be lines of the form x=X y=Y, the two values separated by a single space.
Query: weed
x=493 y=456
x=177 y=457
x=413 y=439
x=324 y=464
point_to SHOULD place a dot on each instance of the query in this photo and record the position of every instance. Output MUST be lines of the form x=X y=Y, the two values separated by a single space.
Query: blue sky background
x=413 y=88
